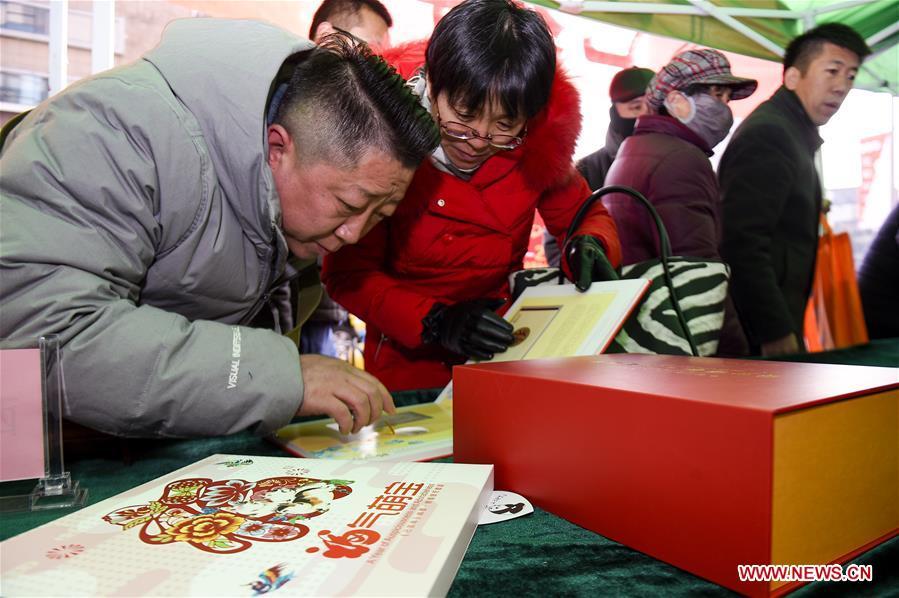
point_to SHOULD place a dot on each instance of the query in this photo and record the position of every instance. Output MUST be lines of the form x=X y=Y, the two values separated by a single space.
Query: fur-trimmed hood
x=546 y=155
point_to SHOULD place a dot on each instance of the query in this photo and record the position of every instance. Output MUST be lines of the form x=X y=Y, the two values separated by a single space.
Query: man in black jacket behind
x=771 y=191
x=627 y=92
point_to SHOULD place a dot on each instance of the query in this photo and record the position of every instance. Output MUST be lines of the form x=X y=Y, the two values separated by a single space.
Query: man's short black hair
x=803 y=49
x=340 y=10
x=485 y=50
x=342 y=100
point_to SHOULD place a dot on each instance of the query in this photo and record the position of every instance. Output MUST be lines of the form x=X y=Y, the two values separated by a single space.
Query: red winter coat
x=451 y=240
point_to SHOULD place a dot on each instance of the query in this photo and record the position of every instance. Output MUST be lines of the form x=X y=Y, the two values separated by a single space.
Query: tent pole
x=737 y=26
x=807 y=22
x=894 y=199
x=840 y=6
x=579 y=6
x=882 y=34
x=58 y=66
x=103 y=36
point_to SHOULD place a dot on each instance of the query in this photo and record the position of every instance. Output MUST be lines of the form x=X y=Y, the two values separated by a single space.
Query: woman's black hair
x=486 y=50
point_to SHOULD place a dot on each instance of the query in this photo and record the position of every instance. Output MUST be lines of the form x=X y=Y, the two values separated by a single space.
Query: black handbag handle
x=664 y=245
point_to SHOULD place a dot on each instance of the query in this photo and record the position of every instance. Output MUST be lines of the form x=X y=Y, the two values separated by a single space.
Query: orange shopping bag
x=834 y=318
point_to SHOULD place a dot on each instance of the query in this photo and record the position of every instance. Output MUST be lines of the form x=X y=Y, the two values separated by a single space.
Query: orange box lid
x=769 y=386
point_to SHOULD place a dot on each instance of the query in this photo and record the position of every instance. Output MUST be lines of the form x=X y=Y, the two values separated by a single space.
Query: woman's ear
x=431 y=97
x=678 y=105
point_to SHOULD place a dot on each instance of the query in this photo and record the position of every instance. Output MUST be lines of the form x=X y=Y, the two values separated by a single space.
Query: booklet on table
x=243 y=525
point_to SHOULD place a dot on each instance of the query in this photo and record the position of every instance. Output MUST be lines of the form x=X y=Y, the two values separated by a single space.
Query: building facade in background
x=25 y=38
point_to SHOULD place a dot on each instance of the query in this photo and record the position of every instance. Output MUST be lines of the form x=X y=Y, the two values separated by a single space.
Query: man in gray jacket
x=147 y=213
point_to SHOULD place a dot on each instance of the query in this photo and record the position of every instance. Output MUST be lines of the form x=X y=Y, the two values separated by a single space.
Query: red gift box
x=704 y=463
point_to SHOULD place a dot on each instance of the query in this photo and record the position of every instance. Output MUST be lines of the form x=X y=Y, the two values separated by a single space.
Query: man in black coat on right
x=771 y=191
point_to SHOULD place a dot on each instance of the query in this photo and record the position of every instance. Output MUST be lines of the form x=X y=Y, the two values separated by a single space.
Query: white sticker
x=503 y=506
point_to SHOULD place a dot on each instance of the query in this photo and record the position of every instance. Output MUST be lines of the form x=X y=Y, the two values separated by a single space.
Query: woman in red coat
x=427 y=281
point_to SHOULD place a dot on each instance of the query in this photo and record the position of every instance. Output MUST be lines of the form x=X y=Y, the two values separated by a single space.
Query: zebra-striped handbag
x=655 y=327
x=682 y=312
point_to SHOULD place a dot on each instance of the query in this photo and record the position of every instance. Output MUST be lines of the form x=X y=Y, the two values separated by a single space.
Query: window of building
x=23 y=88
x=24 y=17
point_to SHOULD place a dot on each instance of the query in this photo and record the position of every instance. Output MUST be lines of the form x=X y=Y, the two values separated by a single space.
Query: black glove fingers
x=602 y=269
x=476 y=352
x=493 y=331
x=469 y=328
x=584 y=272
x=588 y=262
x=487 y=343
x=494 y=320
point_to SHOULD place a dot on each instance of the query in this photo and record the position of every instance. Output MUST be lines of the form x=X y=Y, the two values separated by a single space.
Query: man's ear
x=280 y=145
x=791 y=78
x=324 y=28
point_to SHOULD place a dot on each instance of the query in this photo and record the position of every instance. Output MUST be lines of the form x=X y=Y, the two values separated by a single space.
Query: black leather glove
x=469 y=328
x=588 y=262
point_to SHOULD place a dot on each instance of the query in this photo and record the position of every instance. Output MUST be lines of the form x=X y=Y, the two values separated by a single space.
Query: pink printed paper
x=21 y=415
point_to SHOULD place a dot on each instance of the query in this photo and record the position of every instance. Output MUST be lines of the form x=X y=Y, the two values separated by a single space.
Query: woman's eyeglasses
x=461 y=132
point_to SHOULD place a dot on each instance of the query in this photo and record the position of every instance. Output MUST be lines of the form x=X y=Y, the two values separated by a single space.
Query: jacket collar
x=667 y=125
x=787 y=101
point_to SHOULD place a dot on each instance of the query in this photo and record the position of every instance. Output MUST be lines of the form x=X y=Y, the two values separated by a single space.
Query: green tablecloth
x=536 y=554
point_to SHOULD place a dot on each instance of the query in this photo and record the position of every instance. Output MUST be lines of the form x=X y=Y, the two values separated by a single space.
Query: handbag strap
x=664 y=246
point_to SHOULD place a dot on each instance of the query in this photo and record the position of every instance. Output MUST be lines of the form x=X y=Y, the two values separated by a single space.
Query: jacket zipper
x=270 y=286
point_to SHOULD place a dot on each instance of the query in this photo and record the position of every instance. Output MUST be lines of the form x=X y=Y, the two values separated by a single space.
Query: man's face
x=371 y=28
x=365 y=25
x=325 y=206
x=825 y=83
x=632 y=108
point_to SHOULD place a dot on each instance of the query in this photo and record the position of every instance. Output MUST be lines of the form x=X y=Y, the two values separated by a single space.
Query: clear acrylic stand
x=56 y=489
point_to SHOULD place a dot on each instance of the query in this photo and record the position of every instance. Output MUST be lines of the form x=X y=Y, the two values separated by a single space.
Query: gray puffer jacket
x=139 y=221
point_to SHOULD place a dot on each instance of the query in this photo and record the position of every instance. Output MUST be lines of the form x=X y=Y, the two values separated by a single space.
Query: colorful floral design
x=227 y=516
x=205 y=527
x=223 y=493
x=183 y=491
x=65 y=551
x=127 y=517
x=254 y=528
x=280 y=533
x=173 y=516
x=128 y=514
